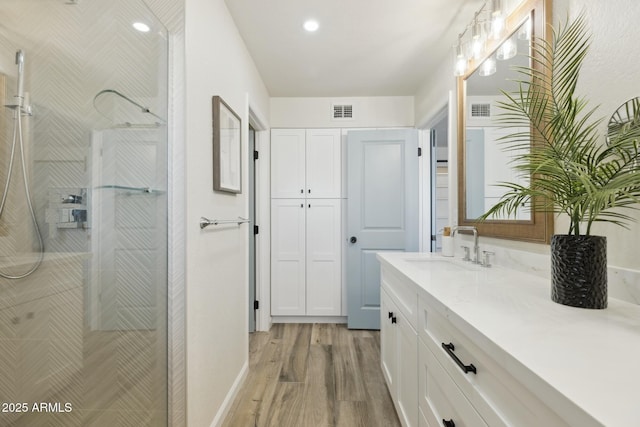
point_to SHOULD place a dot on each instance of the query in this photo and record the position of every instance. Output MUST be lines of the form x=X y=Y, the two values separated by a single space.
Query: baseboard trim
x=309 y=319
x=231 y=396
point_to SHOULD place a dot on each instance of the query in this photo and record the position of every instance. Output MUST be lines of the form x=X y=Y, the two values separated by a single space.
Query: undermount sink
x=440 y=264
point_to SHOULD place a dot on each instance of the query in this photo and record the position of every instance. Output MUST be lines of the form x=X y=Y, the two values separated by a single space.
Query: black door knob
x=353 y=239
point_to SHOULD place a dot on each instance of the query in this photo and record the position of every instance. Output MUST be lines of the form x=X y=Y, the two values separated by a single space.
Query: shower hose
x=17 y=140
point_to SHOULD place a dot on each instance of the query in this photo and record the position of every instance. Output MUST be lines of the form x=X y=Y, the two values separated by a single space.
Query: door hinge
x=433 y=238
x=256 y=305
x=419 y=151
x=256 y=155
x=256 y=229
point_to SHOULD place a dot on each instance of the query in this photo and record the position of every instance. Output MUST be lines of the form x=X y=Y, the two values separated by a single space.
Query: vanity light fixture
x=488 y=25
x=311 y=25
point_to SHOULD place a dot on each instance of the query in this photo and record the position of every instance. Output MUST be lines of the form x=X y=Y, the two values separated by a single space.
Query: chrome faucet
x=475 y=259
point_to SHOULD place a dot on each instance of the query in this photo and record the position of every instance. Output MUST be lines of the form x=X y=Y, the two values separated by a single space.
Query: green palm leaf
x=573 y=171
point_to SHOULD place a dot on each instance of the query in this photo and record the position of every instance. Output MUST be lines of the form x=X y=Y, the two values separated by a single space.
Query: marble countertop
x=580 y=362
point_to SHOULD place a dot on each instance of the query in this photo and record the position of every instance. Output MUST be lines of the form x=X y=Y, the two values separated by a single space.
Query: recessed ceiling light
x=142 y=27
x=311 y=25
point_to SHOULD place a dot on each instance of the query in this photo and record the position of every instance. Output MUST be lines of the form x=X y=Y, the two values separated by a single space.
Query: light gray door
x=382 y=213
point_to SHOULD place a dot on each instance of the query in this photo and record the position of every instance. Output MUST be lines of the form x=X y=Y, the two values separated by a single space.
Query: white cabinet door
x=407 y=380
x=323 y=163
x=324 y=284
x=388 y=349
x=288 y=163
x=287 y=257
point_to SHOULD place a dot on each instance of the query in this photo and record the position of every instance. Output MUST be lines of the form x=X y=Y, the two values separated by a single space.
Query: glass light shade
x=460 y=61
x=507 y=50
x=497 y=26
x=478 y=40
x=488 y=67
x=524 y=33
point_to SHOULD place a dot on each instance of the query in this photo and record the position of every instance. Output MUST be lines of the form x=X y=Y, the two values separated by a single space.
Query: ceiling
x=362 y=48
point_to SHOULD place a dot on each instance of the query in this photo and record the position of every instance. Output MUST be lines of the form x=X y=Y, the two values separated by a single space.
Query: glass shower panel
x=83 y=339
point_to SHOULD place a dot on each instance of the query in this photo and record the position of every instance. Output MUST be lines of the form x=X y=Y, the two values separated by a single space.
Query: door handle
x=353 y=239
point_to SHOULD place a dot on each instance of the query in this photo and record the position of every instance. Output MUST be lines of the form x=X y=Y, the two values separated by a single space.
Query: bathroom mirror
x=482 y=162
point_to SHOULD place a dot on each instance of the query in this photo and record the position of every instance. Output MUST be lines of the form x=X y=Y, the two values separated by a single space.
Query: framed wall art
x=227 y=166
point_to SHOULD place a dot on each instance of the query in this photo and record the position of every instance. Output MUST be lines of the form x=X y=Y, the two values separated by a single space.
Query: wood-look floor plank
x=294 y=366
x=256 y=396
x=322 y=333
x=378 y=398
x=287 y=406
x=314 y=400
x=348 y=376
x=352 y=414
x=319 y=392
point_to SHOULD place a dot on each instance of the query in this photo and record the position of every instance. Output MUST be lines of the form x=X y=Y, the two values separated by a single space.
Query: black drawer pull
x=449 y=423
x=394 y=319
x=390 y=314
x=450 y=348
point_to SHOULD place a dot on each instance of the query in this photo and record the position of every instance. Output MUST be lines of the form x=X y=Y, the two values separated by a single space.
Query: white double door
x=306 y=257
x=306 y=163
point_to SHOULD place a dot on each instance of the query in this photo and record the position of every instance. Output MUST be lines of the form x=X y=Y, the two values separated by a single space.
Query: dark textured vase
x=579 y=270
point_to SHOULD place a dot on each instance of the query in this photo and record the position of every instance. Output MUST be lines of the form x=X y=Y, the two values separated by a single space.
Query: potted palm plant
x=574 y=170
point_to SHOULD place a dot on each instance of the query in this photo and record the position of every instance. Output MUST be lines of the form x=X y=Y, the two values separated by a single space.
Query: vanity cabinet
x=484 y=383
x=439 y=376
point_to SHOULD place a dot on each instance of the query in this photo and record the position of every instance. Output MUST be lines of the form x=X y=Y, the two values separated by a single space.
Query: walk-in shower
x=20 y=108
x=83 y=214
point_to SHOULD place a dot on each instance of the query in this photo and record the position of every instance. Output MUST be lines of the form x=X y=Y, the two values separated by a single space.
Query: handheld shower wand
x=18 y=143
x=20 y=63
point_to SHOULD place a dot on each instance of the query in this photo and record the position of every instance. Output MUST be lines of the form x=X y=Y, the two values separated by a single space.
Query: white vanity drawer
x=441 y=402
x=403 y=293
x=493 y=392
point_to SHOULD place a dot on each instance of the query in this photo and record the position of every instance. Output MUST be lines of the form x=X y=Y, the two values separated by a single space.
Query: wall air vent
x=481 y=110
x=342 y=112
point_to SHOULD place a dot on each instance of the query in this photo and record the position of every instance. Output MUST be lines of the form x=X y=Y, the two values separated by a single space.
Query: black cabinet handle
x=309 y=191
x=448 y=423
x=394 y=319
x=390 y=314
x=450 y=348
x=353 y=239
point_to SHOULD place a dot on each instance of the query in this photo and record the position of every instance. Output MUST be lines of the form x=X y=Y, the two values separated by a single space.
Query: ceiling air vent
x=481 y=110
x=342 y=112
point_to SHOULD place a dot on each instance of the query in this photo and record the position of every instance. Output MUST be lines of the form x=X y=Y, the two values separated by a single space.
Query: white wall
x=609 y=78
x=217 y=63
x=378 y=111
